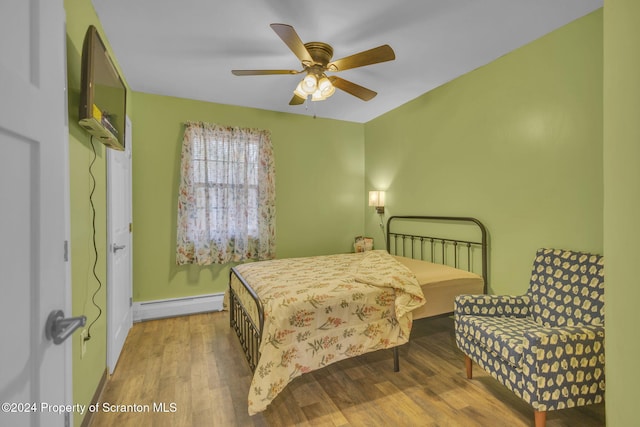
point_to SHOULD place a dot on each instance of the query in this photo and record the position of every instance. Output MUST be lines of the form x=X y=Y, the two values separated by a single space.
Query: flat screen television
x=102 y=93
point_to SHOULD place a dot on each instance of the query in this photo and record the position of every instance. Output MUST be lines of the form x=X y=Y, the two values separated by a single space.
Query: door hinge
x=66 y=251
x=67 y=420
x=130 y=301
x=130 y=227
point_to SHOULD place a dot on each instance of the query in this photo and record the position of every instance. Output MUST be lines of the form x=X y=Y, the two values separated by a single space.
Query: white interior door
x=34 y=219
x=119 y=262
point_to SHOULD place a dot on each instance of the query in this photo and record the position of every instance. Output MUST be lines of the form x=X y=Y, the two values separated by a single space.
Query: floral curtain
x=226 y=199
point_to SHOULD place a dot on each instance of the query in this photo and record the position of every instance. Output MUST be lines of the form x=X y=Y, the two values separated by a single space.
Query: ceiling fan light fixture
x=309 y=84
x=299 y=92
x=325 y=87
x=318 y=96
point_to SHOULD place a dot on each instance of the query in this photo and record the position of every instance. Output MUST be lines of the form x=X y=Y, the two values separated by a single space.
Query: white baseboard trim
x=147 y=310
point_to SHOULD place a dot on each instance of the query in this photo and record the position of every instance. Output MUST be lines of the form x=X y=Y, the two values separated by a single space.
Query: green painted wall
x=87 y=370
x=622 y=207
x=516 y=143
x=319 y=188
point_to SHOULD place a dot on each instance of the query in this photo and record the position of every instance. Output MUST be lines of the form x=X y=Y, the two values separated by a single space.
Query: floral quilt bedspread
x=319 y=310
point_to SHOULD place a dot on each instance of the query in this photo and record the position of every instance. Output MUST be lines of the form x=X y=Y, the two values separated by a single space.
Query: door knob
x=116 y=248
x=58 y=328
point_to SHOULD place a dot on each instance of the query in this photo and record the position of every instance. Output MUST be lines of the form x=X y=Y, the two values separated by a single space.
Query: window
x=226 y=200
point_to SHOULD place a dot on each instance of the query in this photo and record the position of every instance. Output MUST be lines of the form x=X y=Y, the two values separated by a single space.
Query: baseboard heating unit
x=147 y=310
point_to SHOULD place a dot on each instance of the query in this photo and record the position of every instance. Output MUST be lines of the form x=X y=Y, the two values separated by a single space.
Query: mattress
x=440 y=285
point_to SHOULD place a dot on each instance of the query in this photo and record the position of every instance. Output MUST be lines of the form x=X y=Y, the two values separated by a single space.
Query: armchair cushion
x=504 y=336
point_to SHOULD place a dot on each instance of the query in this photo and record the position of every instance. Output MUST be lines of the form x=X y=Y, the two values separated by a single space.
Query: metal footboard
x=249 y=334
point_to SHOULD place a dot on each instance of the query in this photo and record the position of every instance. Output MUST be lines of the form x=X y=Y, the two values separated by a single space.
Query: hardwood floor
x=194 y=365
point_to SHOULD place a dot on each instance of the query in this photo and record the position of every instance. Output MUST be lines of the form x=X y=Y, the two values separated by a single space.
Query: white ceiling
x=188 y=48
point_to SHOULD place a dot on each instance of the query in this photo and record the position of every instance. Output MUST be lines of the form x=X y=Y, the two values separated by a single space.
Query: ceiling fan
x=316 y=61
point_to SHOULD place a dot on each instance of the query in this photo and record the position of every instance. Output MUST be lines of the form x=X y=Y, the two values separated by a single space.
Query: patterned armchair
x=546 y=346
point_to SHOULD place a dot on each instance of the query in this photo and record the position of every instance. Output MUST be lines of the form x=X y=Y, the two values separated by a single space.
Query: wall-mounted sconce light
x=376 y=198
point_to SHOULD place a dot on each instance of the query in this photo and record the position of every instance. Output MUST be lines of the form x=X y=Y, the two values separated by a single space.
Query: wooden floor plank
x=195 y=367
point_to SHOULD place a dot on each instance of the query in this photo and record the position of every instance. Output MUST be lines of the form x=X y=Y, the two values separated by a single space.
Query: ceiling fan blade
x=372 y=56
x=297 y=100
x=291 y=39
x=262 y=72
x=353 y=89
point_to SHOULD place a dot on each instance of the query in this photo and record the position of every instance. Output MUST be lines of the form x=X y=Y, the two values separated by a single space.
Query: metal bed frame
x=250 y=334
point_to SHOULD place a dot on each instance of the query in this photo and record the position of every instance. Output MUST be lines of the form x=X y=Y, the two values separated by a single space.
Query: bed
x=296 y=315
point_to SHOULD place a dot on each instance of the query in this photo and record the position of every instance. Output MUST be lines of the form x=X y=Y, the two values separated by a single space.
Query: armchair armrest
x=566 y=363
x=492 y=305
x=566 y=342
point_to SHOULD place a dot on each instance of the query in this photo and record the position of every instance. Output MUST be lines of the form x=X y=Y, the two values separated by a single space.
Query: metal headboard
x=439 y=249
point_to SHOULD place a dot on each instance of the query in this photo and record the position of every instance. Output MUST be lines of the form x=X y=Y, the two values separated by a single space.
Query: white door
x=34 y=226
x=119 y=261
